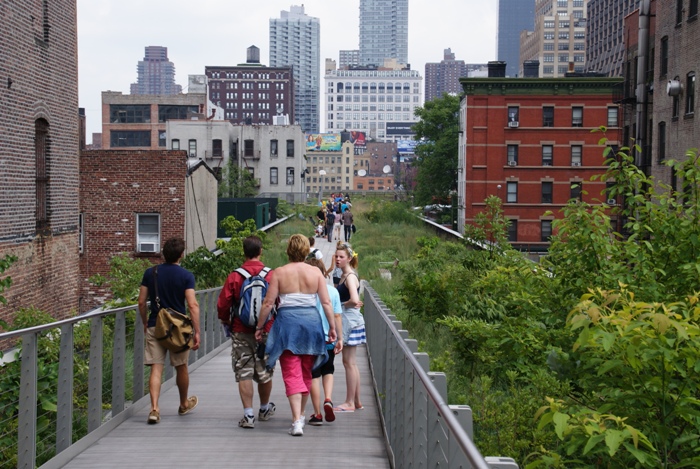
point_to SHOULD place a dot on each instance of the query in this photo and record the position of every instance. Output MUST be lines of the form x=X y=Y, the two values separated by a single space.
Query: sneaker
x=302 y=419
x=248 y=421
x=316 y=420
x=154 y=417
x=192 y=402
x=297 y=428
x=328 y=410
x=266 y=414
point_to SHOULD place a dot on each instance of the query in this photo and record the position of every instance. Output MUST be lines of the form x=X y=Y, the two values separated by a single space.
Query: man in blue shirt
x=175 y=287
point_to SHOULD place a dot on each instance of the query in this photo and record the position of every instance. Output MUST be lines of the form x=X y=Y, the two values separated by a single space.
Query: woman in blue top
x=353 y=324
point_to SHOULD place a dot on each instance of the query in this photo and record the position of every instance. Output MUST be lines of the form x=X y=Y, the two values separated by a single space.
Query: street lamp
x=320 y=187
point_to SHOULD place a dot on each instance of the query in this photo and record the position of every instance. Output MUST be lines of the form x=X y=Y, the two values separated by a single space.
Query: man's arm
x=193 y=306
x=143 y=306
x=226 y=299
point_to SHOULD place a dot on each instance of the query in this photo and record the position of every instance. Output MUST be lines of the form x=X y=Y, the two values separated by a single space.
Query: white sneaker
x=303 y=421
x=297 y=428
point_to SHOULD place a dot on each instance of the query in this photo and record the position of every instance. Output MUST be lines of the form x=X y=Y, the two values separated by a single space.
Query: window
x=576 y=117
x=273 y=176
x=513 y=114
x=248 y=147
x=576 y=155
x=81 y=232
x=563 y=58
x=547 y=151
x=545 y=230
x=175 y=144
x=147 y=232
x=512 y=155
x=129 y=138
x=547 y=188
x=168 y=112
x=664 y=56
x=612 y=116
x=41 y=149
x=192 y=147
x=512 y=193
x=217 y=148
x=679 y=11
x=290 y=148
x=273 y=145
x=512 y=230
x=575 y=191
x=162 y=140
x=129 y=113
x=690 y=94
x=692 y=9
x=548 y=116
x=290 y=176
x=661 y=151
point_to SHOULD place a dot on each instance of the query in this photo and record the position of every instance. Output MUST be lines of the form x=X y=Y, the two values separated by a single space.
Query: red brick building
x=133 y=201
x=529 y=142
x=39 y=154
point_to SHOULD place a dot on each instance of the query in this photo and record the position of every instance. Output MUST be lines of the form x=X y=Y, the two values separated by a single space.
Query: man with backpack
x=239 y=305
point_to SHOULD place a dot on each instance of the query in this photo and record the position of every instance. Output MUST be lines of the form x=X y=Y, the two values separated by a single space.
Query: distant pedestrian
x=347 y=224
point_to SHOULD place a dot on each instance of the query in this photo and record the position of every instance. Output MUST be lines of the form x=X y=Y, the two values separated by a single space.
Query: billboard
x=400 y=128
x=406 y=146
x=323 y=142
x=359 y=139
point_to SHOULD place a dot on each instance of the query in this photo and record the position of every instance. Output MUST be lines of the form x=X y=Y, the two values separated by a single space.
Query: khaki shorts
x=246 y=364
x=155 y=352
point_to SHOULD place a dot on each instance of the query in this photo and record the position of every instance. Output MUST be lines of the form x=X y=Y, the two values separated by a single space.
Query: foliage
x=490 y=227
x=283 y=208
x=437 y=130
x=5 y=263
x=389 y=212
x=236 y=182
x=124 y=279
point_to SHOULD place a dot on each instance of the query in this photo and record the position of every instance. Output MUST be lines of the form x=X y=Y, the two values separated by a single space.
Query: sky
x=112 y=35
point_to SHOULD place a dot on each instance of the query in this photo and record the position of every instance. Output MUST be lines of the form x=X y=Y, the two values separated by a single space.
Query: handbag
x=174 y=330
x=353 y=228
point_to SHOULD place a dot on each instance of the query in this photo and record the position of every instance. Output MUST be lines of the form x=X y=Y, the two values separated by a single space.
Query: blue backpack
x=253 y=293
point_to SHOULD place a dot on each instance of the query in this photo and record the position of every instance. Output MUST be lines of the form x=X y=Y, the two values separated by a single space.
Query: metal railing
x=421 y=429
x=116 y=380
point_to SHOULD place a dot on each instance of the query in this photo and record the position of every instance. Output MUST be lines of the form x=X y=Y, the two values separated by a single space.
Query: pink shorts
x=296 y=372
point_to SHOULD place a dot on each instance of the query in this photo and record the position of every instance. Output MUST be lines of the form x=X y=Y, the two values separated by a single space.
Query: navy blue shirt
x=173 y=280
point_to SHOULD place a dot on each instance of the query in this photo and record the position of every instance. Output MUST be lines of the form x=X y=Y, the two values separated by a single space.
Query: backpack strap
x=263 y=273
x=246 y=275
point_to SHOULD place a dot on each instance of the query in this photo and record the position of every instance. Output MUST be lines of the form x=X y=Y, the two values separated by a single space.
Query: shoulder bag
x=174 y=330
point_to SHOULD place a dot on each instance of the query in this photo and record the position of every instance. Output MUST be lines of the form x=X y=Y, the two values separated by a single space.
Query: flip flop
x=360 y=408
x=342 y=409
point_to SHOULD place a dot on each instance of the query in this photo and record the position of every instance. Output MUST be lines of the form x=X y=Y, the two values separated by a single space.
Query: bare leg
x=264 y=391
x=154 y=384
x=316 y=394
x=295 y=404
x=352 y=378
x=304 y=401
x=245 y=389
x=182 y=379
x=328 y=387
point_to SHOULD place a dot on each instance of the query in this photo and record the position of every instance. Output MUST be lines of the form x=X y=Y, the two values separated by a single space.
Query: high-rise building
x=514 y=16
x=295 y=41
x=156 y=74
x=383 y=31
x=559 y=38
x=605 y=45
x=443 y=77
x=347 y=58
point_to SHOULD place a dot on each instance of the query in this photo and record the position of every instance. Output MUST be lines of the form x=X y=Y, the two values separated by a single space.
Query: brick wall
x=115 y=185
x=39 y=81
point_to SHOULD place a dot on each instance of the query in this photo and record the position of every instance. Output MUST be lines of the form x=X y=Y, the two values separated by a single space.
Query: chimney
x=531 y=69
x=497 y=69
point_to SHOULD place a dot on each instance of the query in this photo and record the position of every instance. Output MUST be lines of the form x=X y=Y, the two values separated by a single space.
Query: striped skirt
x=357 y=337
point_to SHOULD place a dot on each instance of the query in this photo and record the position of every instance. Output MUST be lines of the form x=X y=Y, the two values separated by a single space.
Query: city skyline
x=107 y=57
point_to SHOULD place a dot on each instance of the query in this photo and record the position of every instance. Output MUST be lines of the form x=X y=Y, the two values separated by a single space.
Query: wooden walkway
x=209 y=437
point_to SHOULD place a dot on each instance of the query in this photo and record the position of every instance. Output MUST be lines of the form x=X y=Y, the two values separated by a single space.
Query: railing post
x=26 y=443
x=118 y=358
x=457 y=459
x=437 y=437
x=95 y=374
x=138 y=384
x=64 y=407
x=420 y=424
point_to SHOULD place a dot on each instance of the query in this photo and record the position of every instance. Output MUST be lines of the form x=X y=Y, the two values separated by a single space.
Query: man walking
x=347 y=224
x=248 y=365
x=175 y=287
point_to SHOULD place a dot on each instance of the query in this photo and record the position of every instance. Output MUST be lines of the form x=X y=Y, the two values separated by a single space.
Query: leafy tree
x=236 y=182
x=124 y=279
x=437 y=152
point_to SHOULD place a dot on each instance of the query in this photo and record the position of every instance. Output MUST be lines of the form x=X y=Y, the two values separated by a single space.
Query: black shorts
x=327 y=368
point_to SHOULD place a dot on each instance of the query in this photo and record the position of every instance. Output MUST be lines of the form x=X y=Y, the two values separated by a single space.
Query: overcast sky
x=112 y=35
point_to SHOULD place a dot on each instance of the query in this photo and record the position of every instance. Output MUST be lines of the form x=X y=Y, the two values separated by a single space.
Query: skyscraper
x=513 y=17
x=295 y=41
x=383 y=31
x=156 y=74
x=605 y=46
x=443 y=77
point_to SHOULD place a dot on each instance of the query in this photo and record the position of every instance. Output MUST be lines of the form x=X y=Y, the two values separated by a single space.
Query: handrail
x=99 y=420
x=422 y=430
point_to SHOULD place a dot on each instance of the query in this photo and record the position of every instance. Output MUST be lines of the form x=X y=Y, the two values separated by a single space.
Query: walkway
x=209 y=437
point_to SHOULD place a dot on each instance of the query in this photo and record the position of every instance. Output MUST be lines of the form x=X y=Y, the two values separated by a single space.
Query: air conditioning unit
x=546 y=164
x=513 y=124
x=147 y=247
x=512 y=163
x=612 y=202
x=193 y=154
x=575 y=163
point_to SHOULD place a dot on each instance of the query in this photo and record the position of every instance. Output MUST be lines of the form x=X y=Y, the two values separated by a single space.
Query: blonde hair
x=318 y=263
x=343 y=246
x=298 y=248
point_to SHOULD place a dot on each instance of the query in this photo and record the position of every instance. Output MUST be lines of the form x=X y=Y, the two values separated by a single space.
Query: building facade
x=559 y=38
x=132 y=201
x=383 y=31
x=531 y=145
x=156 y=74
x=39 y=131
x=380 y=103
x=443 y=77
x=251 y=93
x=605 y=44
x=295 y=42
x=331 y=164
x=514 y=16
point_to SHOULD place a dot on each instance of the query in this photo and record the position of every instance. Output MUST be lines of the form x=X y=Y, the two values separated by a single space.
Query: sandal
x=192 y=402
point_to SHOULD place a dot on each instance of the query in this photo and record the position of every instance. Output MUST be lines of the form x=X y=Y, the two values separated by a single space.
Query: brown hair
x=298 y=248
x=173 y=249
x=343 y=246
x=252 y=247
x=318 y=263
